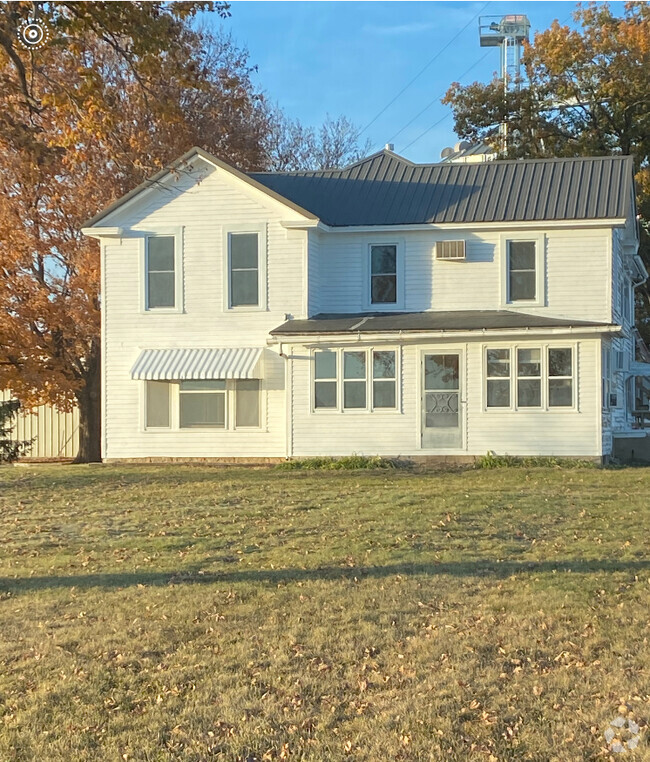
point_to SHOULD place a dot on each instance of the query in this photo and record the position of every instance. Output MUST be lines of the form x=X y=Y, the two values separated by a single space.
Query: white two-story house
x=386 y=308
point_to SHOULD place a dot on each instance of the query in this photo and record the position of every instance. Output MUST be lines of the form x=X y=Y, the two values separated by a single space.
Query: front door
x=441 y=401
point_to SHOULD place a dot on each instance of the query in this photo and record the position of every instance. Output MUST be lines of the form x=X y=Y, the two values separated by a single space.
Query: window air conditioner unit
x=613 y=400
x=450 y=250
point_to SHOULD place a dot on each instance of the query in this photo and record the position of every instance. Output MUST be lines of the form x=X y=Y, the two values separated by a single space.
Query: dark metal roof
x=386 y=189
x=462 y=320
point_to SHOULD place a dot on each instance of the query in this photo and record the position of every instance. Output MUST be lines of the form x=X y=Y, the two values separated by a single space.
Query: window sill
x=535 y=410
x=206 y=430
x=250 y=308
x=162 y=311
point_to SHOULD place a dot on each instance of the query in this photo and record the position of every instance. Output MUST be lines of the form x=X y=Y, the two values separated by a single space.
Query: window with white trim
x=214 y=404
x=359 y=379
x=384 y=379
x=160 y=272
x=244 y=269
x=354 y=380
x=498 y=377
x=560 y=377
x=325 y=376
x=529 y=377
x=202 y=404
x=542 y=377
x=383 y=274
x=247 y=404
x=522 y=271
x=157 y=405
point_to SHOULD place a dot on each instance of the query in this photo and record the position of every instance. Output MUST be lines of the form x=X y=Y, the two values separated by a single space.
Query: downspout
x=288 y=385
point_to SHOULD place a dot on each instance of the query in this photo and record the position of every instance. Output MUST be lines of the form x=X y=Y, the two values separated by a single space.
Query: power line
x=464 y=74
x=436 y=100
x=440 y=121
x=423 y=69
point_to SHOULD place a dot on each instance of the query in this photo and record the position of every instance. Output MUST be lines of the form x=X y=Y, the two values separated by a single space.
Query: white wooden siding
x=576 y=274
x=314 y=267
x=55 y=433
x=552 y=432
x=204 y=211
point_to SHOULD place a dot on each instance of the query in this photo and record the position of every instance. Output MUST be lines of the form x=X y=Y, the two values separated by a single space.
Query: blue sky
x=353 y=58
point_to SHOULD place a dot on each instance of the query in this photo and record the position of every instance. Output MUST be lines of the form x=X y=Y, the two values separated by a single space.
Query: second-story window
x=522 y=272
x=160 y=272
x=383 y=274
x=243 y=267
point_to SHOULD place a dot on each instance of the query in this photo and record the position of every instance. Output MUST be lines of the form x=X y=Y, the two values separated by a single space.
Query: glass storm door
x=441 y=406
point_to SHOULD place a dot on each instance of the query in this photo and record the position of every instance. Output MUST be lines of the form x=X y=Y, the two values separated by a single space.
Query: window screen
x=247 y=404
x=383 y=379
x=157 y=405
x=522 y=278
x=325 y=379
x=529 y=377
x=560 y=378
x=498 y=377
x=161 y=275
x=354 y=379
x=244 y=269
x=383 y=274
x=202 y=404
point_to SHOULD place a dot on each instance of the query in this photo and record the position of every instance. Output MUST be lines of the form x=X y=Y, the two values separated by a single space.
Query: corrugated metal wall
x=55 y=434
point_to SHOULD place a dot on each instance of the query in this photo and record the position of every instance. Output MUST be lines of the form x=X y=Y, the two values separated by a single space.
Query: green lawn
x=196 y=613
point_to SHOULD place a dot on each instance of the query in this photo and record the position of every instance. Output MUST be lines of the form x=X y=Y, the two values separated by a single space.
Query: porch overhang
x=432 y=325
x=198 y=364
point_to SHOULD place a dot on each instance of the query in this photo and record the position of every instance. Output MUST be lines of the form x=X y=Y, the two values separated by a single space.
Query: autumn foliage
x=121 y=89
x=586 y=91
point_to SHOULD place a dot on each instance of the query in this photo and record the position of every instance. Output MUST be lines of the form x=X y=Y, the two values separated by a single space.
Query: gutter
x=420 y=227
x=388 y=336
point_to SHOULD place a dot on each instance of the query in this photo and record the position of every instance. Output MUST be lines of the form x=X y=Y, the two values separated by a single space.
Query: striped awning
x=196 y=364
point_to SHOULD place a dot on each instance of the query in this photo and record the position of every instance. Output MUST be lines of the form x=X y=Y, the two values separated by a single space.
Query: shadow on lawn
x=287 y=576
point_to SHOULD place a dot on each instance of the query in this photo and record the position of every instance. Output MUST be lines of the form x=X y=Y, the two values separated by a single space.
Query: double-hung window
x=383 y=274
x=244 y=269
x=360 y=379
x=522 y=271
x=354 y=380
x=158 y=405
x=384 y=379
x=560 y=377
x=529 y=377
x=498 y=377
x=160 y=266
x=325 y=379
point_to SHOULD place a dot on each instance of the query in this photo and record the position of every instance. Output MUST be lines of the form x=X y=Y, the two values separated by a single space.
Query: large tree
x=121 y=89
x=586 y=91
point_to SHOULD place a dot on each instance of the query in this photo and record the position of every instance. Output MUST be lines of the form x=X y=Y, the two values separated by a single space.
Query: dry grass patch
x=189 y=613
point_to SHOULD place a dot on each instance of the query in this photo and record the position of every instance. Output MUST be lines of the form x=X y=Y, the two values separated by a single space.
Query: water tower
x=508 y=33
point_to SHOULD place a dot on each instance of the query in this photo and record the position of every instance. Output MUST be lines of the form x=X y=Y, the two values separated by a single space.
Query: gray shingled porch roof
x=461 y=320
x=386 y=189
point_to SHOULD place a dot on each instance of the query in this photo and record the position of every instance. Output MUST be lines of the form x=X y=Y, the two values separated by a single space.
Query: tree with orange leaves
x=586 y=91
x=119 y=90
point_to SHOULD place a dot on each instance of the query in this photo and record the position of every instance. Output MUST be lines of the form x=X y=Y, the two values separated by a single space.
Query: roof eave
x=185 y=158
x=358 y=336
